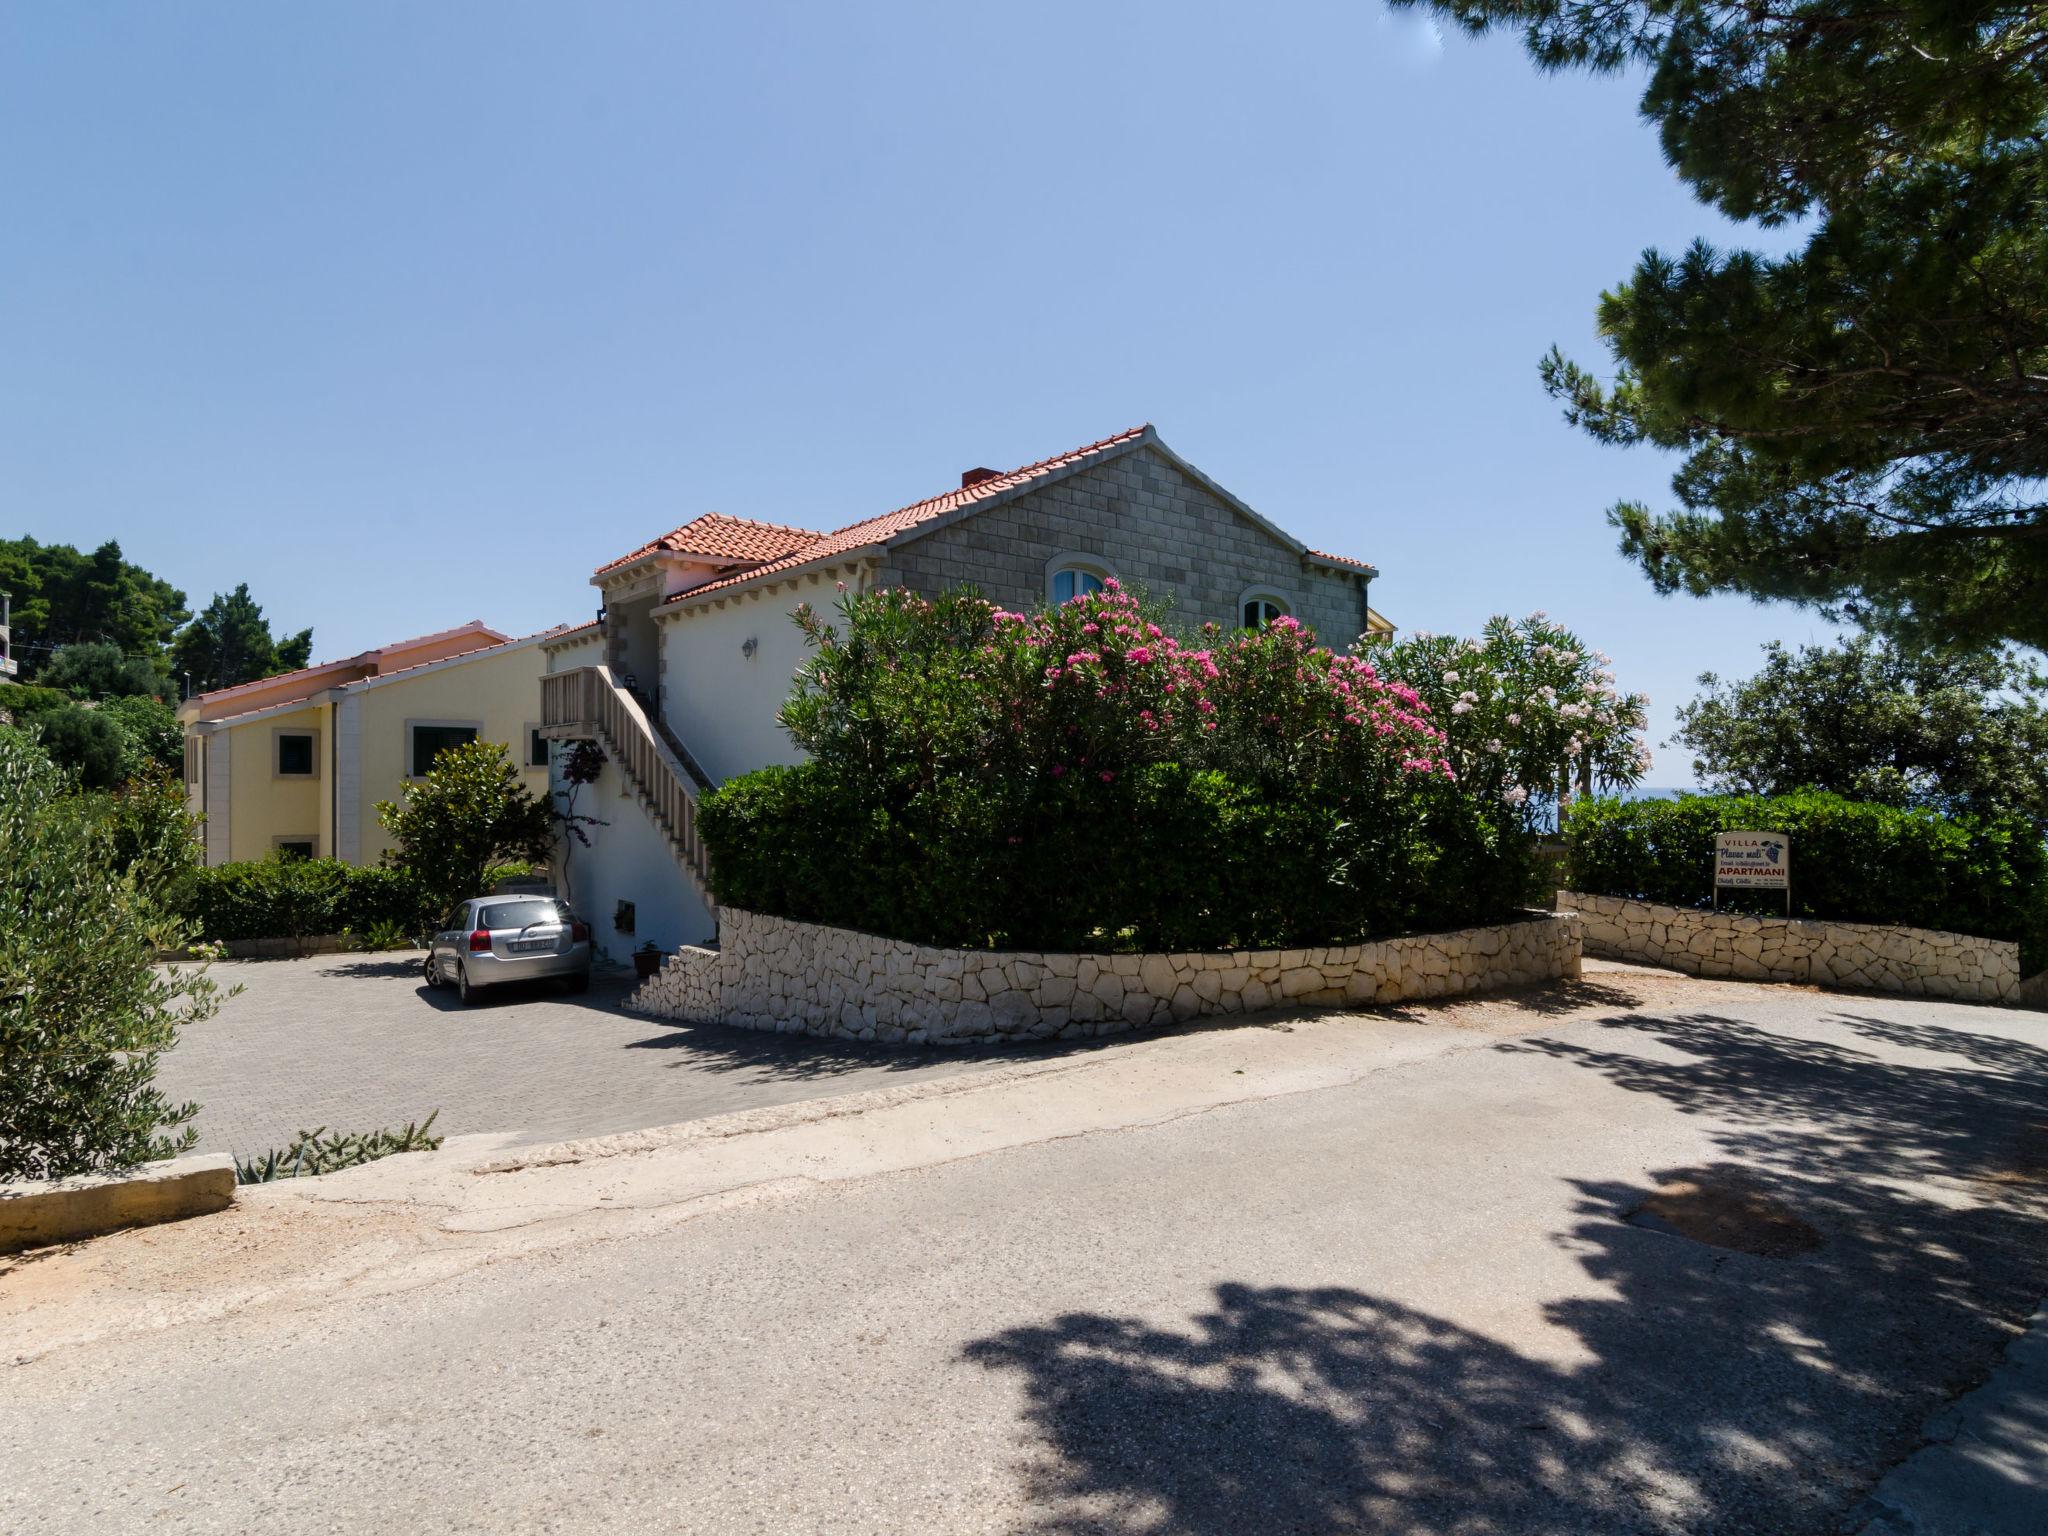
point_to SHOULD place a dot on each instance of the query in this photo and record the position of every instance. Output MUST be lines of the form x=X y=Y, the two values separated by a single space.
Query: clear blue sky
x=411 y=314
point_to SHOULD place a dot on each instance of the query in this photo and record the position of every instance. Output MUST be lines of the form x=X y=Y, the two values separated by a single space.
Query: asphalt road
x=1414 y=1273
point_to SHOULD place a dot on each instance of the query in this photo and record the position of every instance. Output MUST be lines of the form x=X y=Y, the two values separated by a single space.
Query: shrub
x=1525 y=708
x=284 y=897
x=150 y=733
x=1851 y=860
x=84 y=741
x=469 y=813
x=84 y=1014
x=1082 y=779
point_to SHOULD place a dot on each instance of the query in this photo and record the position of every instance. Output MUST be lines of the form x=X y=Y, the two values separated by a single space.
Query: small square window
x=295 y=754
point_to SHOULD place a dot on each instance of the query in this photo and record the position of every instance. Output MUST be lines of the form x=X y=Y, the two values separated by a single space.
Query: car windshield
x=524 y=913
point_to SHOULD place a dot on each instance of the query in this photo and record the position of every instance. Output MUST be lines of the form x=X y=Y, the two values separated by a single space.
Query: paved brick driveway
x=357 y=1042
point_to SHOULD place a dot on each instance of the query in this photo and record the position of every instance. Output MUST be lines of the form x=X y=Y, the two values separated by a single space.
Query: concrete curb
x=1983 y=1470
x=65 y=1210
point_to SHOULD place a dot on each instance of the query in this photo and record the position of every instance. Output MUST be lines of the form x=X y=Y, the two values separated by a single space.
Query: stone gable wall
x=1151 y=526
x=797 y=978
x=1882 y=959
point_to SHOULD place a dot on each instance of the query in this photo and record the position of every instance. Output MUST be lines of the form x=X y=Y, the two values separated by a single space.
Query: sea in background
x=1547 y=817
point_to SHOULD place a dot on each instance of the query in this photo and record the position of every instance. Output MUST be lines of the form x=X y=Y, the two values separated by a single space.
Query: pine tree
x=230 y=643
x=1865 y=420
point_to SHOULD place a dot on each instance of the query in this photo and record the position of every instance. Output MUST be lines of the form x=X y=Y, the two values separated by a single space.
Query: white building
x=680 y=679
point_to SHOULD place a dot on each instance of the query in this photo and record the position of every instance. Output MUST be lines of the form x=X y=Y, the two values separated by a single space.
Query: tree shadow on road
x=1550 y=999
x=1695 y=1386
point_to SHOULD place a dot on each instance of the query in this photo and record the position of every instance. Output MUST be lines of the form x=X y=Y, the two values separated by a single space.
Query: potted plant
x=646 y=960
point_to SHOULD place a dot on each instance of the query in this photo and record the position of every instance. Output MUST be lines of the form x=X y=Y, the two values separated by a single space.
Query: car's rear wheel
x=580 y=982
x=463 y=989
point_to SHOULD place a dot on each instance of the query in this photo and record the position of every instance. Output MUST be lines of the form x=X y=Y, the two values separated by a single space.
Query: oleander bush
x=1083 y=779
x=1852 y=860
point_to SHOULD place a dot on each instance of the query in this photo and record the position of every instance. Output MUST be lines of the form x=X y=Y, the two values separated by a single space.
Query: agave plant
x=315 y=1152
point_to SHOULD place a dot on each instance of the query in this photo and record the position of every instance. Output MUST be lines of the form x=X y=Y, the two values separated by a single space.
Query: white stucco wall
x=629 y=860
x=722 y=702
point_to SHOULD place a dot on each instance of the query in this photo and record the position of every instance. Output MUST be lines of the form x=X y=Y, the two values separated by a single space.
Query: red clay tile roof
x=876 y=530
x=723 y=540
x=1344 y=560
x=486 y=636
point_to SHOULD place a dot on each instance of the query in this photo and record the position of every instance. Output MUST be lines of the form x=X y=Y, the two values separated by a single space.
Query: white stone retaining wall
x=1880 y=958
x=773 y=974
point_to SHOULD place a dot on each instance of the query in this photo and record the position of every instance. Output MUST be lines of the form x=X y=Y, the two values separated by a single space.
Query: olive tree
x=84 y=1012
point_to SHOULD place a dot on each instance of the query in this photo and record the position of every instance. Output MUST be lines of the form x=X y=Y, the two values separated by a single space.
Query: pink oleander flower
x=1059 y=770
x=1140 y=654
x=1106 y=776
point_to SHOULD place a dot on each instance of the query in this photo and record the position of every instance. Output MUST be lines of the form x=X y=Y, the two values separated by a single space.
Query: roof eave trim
x=786 y=573
x=251 y=716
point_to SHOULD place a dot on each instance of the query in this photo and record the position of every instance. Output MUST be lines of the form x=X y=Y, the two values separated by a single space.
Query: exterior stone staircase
x=588 y=703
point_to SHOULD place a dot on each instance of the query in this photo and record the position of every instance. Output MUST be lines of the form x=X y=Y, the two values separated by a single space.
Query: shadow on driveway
x=726 y=1048
x=1721 y=1390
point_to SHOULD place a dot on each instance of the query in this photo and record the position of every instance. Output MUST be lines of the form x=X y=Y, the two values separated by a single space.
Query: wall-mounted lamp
x=750 y=645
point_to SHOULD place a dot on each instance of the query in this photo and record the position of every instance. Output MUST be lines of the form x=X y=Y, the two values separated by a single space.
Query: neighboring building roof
x=378 y=679
x=461 y=658
x=310 y=680
x=722 y=540
x=571 y=632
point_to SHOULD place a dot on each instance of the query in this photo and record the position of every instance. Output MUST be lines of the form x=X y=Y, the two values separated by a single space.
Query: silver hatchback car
x=490 y=940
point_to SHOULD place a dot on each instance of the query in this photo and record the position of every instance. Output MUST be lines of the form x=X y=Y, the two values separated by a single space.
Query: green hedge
x=1174 y=860
x=289 y=898
x=1851 y=860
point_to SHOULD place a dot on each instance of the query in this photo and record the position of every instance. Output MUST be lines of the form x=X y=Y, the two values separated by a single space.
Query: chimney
x=976 y=476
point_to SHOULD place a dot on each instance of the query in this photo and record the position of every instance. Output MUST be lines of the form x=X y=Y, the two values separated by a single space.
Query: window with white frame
x=1260 y=606
x=1070 y=576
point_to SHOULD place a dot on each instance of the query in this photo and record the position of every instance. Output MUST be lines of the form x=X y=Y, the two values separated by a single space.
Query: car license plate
x=528 y=946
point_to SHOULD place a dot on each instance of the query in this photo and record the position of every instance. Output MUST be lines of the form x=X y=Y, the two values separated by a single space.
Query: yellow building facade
x=299 y=762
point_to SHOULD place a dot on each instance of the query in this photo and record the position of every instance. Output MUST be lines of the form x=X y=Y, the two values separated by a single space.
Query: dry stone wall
x=1882 y=959
x=773 y=974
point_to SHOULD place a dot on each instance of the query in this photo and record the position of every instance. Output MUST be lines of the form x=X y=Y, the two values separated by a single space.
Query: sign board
x=1758 y=861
